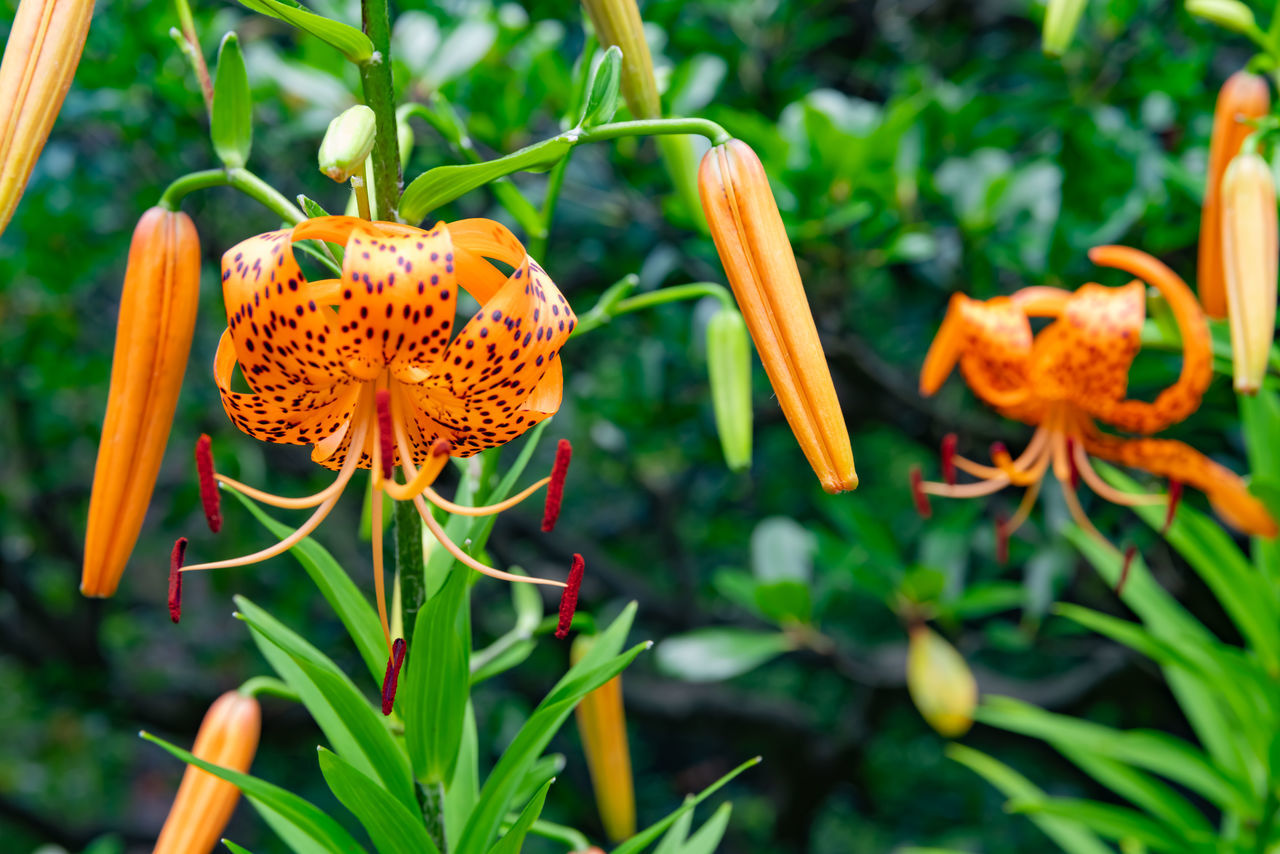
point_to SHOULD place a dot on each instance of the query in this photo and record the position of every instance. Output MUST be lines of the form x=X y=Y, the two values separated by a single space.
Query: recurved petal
x=994 y=340
x=1085 y=356
x=1180 y=462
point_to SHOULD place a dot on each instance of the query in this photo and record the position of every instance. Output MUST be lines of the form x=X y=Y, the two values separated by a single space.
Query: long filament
x=459 y=554
x=379 y=587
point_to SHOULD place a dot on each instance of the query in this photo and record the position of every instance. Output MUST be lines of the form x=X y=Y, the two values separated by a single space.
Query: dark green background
x=916 y=149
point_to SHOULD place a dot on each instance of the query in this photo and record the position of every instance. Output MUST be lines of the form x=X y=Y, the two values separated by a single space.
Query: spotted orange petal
x=1085 y=356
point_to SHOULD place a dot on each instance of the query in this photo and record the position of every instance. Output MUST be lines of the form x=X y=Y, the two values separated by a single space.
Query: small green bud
x=1228 y=14
x=729 y=371
x=1061 y=17
x=347 y=143
x=940 y=683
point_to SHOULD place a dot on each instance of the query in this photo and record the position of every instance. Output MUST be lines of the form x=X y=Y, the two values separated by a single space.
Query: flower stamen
x=569 y=598
x=175 y=578
x=209 y=497
x=389 y=681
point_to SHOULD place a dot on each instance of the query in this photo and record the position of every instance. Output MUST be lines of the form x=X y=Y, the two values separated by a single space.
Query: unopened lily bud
x=1061 y=17
x=756 y=254
x=228 y=737
x=729 y=372
x=1244 y=96
x=940 y=682
x=603 y=728
x=40 y=59
x=153 y=339
x=1228 y=14
x=347 y=143
x=617 y=22
x=1249 y=255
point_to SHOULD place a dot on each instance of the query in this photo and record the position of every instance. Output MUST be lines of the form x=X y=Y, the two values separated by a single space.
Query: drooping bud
x=1250 y=259
x=756 y=254
x=175 y=578
x=153 y=338
x=569 y=597
x=603 y=727
x=918 y=494
x=555 y=487
x=392 y=676
x=347 y=143
x=729 y=374
x=1061 y=18
x=940 y=683
x=1228 y=14
x=40 y=59
x=1244 y=96
x=228 y=737
x=210 y=498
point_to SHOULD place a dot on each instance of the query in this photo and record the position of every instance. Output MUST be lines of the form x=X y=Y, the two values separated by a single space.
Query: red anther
x=382 y=401
x=441 y=448
x=209 y=495
x=949 y=458
x=569 y=598
x=917 y=492
x=393 y=675
x=998 y=450
x=555 y=489
x=1175 y=497
x=1071 y=463
x=1129 y=554
x=175 y=578
x=1002 y=539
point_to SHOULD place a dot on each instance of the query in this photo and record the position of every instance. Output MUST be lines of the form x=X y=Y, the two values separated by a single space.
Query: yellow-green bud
x=347 y=143
x=1061 y=17
x=940 y=682
x=1228 y=14
x=729 y=371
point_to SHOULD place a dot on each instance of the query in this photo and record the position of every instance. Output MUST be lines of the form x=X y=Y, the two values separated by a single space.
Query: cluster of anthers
x=1071 y=374
x=363 y=369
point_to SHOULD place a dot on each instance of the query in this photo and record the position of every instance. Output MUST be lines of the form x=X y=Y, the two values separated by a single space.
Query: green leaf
x=784 y=601
x=433 y=698
x=355 y=612
x=1070 y=836
x=1108 y=820
x=464 y=789
x=602 y=91
x=441 y=185
x=306 y=820
x=352 y=43
x=393 y=828
x=513 y=840
x=641 y=840
x=1151 y=795
x=231 y=846
x=231 y=125
x=708 y=837
x=675 y=836
x=356 y=732
x=713 y=654
x=782 y=550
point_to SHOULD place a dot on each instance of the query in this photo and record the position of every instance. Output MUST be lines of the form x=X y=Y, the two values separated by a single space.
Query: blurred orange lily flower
x=1075 y=372
x=362 y=369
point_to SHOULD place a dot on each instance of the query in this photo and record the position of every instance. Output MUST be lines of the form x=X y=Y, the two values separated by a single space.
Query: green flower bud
x=1228 y=14
x=729 y=369
x=940 y=683
x=347 y=143
x=1061 y=17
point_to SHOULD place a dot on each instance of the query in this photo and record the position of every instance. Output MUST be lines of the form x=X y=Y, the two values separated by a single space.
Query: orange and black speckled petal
x=281 y=332
x=477 y=239
x=995 y=350
x=1085 y=356
x=1181 y=462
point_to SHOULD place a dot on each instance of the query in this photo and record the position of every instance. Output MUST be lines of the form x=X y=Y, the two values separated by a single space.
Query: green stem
x=555 y=183
x=194 y=53
x=574 y=840
x=241 y=179
x=409 y=564
x=362 y=197
x=379 y=94
x=259 y=685
x=615 y=302
x=656 y=127
x=431 y=797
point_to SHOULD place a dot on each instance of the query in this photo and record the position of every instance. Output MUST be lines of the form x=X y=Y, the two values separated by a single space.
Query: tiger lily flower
x=1072 y=374
x=153 y=340
x=362 y=368
x=40 y=59
x=228 y=737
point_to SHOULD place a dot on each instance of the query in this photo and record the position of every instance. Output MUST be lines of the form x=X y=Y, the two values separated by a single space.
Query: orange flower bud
x=940 y=683
x=757 y=257
x=603 y=728
x=153 y=338
x=40 y=59
x=228 y=737
x=1243 y=96
x=1250 y=259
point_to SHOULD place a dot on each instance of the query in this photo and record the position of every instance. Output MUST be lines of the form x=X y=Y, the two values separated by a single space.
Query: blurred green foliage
x=916 y=149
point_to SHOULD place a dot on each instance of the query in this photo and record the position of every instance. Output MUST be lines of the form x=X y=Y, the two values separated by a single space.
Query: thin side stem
x=379 y=94
x=196 y=55
x=555 y=183
x=656 y=127
x=241 y=179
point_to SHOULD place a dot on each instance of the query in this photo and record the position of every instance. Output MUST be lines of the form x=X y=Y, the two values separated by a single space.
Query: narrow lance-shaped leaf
x=433 y=700
x=393 y=828
x=353 y=44
x=602 y=92
x=513 y=840
x=231 y=126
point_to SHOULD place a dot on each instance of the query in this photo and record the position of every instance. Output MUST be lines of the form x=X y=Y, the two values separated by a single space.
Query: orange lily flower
x=362 y=369
x=228 y=737
x=153 y=339
x=1075 y=372
x=40 y=59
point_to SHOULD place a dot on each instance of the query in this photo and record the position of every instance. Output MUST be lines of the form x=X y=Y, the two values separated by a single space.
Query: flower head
x=365 y=368
x=1070 y=375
